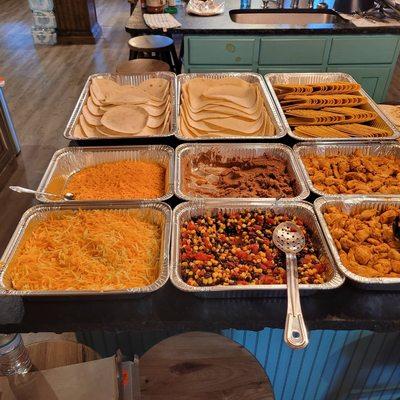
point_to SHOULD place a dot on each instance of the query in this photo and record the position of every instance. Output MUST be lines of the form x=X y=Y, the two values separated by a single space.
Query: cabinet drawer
x=295 y=68
x=363 y=50
x=221 y=51
x=293 y=51
x=220 y=68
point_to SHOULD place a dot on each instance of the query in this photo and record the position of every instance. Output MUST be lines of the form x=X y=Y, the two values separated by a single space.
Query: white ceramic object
x=205 y=8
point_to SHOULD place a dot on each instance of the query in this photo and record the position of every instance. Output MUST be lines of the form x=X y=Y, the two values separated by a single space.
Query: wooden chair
x=155 y=47
x=141 y=65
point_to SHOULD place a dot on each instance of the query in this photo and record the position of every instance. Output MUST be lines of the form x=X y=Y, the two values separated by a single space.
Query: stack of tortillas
x=392 y=113
x=223 y=107
x=114 y=110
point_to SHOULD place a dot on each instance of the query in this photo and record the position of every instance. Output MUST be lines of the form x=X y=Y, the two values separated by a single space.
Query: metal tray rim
x=54 y=160
x=266 y=146
x=336 y=281
x=298 y=146
x=275 y=117
x=68 y=131
x=267 y=77
x=30 y=213
x=369 y=283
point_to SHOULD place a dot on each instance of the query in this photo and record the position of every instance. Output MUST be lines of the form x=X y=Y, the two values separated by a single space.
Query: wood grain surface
x=53 y=354
x=200 y=365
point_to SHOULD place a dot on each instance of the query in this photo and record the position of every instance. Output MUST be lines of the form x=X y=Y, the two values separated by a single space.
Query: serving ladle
x=289 y=238
x=66 y=196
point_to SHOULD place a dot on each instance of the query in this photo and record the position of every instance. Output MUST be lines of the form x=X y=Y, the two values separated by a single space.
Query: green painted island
x=370 y=59
x=367 y=51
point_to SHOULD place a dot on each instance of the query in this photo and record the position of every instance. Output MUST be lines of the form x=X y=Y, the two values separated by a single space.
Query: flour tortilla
x=156 y=88
x=102 y=86
x=93 y=109
x=198 y=102
x=88 y=130
x=125 y=119
x=156 y=122
x=236 y=125
x=90 y=118
x=78 y=132
x=245 y=98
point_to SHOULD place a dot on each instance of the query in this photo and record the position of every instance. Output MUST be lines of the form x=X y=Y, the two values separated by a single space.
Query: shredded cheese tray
x=120 y=173
x=72 y=249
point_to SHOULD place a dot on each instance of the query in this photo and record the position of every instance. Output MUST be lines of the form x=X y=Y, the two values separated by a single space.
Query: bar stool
x=162 y=47
x=141 y=65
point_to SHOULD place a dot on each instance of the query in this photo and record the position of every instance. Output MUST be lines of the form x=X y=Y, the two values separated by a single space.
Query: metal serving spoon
x=289 y=238
x=66 y=196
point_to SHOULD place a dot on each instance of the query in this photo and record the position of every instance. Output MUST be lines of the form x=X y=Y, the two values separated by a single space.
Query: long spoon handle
x=296 y=335
x=20 y=189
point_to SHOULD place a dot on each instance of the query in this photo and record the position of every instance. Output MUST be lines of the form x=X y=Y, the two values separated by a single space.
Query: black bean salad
x=236 y=248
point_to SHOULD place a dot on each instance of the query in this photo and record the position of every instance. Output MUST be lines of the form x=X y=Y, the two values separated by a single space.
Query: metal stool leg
x=177 y=62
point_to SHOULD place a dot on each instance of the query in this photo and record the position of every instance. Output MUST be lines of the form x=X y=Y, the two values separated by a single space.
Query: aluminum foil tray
x=242 y=150
x=125 y=80
x=159 y=212
x=67 y=161
x=280 y=130
x=351 y=204
x=302 y=209
x=316 y=77
x=337 y=149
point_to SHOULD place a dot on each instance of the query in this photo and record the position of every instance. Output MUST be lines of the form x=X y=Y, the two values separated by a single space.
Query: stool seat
x=141 y=65
x=150 y=42
x=155 y=47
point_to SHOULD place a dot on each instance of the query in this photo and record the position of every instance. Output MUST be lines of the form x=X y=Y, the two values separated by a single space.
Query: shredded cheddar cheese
x=118 y=180
x=87 y=250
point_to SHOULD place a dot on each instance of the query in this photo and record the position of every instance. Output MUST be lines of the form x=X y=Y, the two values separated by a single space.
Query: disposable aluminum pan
x=251 y=77
x=124 y=80
x=241 y=150
x=354 y=204
x=67 y=161
x=184 y=211
x=157 y=212
x=340 y=149
x=317 y=77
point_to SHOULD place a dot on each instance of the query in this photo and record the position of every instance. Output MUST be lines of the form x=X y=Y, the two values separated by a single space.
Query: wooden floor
x=42 y=87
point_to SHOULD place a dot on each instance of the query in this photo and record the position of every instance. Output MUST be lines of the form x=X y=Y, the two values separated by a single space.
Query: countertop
x=222 y=24
x=344 y=308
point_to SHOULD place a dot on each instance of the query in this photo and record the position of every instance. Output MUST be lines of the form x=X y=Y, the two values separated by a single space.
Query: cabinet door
x=373 y=78
x=220 y=50
x=293 y=68
x=301 y=50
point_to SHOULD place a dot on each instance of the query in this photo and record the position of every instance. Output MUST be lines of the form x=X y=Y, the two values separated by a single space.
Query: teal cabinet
x=370 y=59
x=373 y=78
x=214 y=51
x=363 y=50
x=291 y=68
x=221 y=68
x=292 y=51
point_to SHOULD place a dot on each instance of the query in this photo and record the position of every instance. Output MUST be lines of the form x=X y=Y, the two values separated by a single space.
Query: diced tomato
x=191 y=226
x=202 y=256
x=270 y=221
x=254 y=248
x=259 y=218
x=269 y=264
x=242 y=283
x=242 y=255
x=319 y=267
x=267 y=280
x=257 y=227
